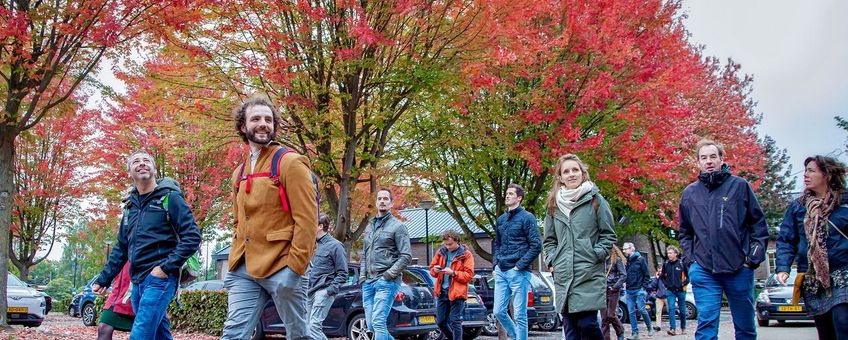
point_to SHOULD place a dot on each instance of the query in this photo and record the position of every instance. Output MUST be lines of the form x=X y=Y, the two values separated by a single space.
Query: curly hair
x=451 y=234
x=833 y=170
x=240 y=114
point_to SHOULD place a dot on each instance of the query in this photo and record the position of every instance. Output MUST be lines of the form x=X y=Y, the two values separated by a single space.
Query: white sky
x=797 y=52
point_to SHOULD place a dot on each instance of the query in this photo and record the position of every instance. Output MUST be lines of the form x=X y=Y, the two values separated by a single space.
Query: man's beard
x=251 y=136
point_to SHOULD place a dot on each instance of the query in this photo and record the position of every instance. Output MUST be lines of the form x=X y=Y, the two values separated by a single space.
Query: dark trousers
x=581 y=325
x=449 y=315
x=834 y=323
x=608 y=315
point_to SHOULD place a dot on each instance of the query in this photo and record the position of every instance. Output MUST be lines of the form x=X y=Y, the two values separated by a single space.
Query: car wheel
x=691 y=311
x=471 y=333
x=491 y=327
x=763 y=322
x=71 y=311
x=432 y=335
x=550 y=324
x=259 y=332
x=621 y=313
x=357 y=329
x=89 y=315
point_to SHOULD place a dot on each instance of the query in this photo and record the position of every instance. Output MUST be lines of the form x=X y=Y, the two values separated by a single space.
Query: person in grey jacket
x=385 y=255
x=327 y=273
x=616 y=277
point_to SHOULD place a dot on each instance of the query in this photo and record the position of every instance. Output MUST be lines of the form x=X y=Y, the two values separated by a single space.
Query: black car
x=474 y=318
x=540 y=303
x=775 y=302
x=413 y=314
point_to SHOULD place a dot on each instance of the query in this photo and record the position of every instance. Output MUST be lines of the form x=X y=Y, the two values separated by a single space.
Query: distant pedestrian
x=675 y=277
x=453 y=268
x=327 y=274
x=638 y=279
x=616 y=277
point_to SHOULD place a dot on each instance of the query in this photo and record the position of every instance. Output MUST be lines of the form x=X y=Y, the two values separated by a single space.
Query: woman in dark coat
x=616 y=277
x=814 y=228
x=578 y=237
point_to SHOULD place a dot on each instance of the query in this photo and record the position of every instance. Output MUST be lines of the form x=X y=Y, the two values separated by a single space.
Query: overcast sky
x=797 y=52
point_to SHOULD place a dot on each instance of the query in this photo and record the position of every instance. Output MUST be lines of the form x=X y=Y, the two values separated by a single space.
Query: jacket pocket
x=280 y=235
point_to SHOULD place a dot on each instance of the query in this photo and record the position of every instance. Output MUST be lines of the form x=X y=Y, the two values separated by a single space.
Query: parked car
x=549 y=280
x=206 y=285
x=474 y=318
x=25 y=306
x=413 y=314
x=650 y=305
x=83 y=304
x=775 y=302
x=540 y=302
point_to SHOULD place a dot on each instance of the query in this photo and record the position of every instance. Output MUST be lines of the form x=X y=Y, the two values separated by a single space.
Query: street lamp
x=108 y=249
x=427 y=205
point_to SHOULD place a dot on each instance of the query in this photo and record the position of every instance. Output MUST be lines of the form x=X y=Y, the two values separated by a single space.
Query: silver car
x=25 y=306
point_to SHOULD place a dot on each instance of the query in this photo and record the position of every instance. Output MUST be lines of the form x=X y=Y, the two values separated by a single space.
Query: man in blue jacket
x=516 y=245
x=723 y=234
x=638 y=278
x=157 y=234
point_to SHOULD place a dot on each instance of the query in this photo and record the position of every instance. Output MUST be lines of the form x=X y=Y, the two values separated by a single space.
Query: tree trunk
x=7 y=168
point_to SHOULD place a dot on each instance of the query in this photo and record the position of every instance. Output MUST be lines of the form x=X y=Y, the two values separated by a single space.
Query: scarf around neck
x=816 y=227
x=567 y=198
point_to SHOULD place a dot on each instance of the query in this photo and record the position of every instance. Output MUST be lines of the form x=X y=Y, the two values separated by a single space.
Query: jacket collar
x=459 y=251
x=715 y=179
x=515 y=211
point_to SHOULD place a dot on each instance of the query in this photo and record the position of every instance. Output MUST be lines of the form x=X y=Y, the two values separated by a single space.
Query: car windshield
x=772 y=280
x=412 y=278
x=538 y=283
x=14 y=281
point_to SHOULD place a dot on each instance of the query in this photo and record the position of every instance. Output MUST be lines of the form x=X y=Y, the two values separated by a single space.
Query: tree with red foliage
x=51 y=178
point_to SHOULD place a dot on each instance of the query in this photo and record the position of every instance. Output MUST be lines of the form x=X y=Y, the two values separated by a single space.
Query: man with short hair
x=327 y=274
x=675 y=276
x=274 y=221
x=723 y=234
x=453 y=268
x=385 y=255
x=157 y=235
x=638 y=278
x=516 y=245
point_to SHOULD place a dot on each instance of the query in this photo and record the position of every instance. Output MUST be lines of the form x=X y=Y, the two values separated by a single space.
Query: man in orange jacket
x=453 y=268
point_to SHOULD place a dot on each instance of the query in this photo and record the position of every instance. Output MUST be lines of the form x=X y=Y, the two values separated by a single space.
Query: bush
x=60 y=290
x=202 y=311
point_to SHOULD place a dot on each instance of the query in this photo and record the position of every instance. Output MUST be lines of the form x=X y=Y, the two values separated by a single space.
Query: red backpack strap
x=276 y=174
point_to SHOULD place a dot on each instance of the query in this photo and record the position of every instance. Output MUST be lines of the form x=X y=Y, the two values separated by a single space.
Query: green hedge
x=202 y=311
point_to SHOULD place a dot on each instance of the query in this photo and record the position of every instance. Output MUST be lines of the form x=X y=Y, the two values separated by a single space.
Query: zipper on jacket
x=721 y=217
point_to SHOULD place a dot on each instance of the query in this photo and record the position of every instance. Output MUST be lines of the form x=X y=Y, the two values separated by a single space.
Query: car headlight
x=763 y=298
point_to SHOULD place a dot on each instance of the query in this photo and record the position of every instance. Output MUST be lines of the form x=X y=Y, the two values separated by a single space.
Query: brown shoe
x=671 y=332
x=682 y=331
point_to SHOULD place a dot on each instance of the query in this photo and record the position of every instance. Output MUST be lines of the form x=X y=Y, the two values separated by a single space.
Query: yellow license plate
x=17 y=310
x=789 y=308
x=546 y=299
x=471 y=300
x=426 y=319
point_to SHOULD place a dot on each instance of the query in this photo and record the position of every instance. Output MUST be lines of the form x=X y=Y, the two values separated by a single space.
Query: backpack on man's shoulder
x=275 y=175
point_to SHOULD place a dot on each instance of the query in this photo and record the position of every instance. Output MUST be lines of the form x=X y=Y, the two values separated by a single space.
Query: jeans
x=247 y=297
x=150 y=301
x=739 y=289
x=449 y=316
x=513 y=283
x=680 y=298
x=378 y=296
x=609 y=315
x=636 y=301
x=319 y=307
x=834 y=323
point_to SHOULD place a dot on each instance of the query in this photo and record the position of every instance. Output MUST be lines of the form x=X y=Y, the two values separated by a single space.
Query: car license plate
x=789 y=308
x=426 y=319
x=546 y=299
x=17 y=310
x=471 y=300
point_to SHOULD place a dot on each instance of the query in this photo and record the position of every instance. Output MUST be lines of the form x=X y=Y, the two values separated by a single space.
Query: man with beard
x=273 y=228
x=385 y=255
x=156 y=238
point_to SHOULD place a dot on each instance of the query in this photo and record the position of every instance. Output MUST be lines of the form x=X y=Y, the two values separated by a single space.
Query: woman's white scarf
x=567 y=198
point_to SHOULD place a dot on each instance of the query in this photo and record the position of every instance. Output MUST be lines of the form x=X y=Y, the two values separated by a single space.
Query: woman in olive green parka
x=578 y=237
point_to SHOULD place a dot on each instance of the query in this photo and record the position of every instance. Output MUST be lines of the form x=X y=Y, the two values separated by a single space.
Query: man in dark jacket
x=327 y=273
x=516 y=245
x=157 y=238
x=675 y=276
x=723 y=234
x=385 y=255
x=638 y=278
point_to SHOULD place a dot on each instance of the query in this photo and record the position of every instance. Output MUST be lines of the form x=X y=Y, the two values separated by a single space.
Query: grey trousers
x=320 y=304
x=247 y=297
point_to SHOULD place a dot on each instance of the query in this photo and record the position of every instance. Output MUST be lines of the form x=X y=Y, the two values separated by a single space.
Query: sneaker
x=620 y=336
x=657 y=328
x=650 y=332
x=671 y=332
x=633 y=336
